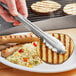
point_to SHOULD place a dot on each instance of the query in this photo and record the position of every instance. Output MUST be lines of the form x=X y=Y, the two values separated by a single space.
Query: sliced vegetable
x=35 y=62
x=20 y=51
x=30 y=66
x=34 y=44
x=25 y=59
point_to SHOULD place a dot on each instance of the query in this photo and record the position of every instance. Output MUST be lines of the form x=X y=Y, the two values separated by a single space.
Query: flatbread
x=45 y=7
x=70 y=9
x=47 y=55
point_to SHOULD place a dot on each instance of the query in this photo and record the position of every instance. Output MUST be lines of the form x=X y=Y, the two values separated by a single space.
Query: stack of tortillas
x=51 y=57
x=45 y=7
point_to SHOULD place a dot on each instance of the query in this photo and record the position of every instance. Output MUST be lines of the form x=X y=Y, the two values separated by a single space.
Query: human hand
x=14 y=7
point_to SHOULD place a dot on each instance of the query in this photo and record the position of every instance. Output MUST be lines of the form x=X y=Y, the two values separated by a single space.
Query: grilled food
x=51 y=57
x=2 y=47
x=45 y=7
x=17 y=39
x=41 y=49
x=70 y=9
x=9 y=51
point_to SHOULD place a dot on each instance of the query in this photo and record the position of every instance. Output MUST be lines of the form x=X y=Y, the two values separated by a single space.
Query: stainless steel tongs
x=49 y=40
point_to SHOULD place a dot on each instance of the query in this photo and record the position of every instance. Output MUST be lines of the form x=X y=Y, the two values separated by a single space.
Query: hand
x=14 y=7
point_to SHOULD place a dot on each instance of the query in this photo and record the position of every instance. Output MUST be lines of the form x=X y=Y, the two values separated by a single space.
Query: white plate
x=44 y=67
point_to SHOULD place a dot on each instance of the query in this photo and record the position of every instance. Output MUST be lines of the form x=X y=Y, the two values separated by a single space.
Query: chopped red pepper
x=25 y=59
x=34 y=44
x=20 y=51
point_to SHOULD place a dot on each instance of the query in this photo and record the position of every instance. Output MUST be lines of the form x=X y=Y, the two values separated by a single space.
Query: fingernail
x=14 y=13
x=25 y=15
x=12 y=18
x=16 y=23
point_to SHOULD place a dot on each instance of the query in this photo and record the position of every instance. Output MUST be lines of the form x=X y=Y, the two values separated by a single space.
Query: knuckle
x=7 y=20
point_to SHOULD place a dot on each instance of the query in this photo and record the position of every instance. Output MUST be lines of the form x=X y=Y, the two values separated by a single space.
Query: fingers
x=12 y=7
x=22 y=8
x=16 y=23
x=6 y=16
x=4 y=1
